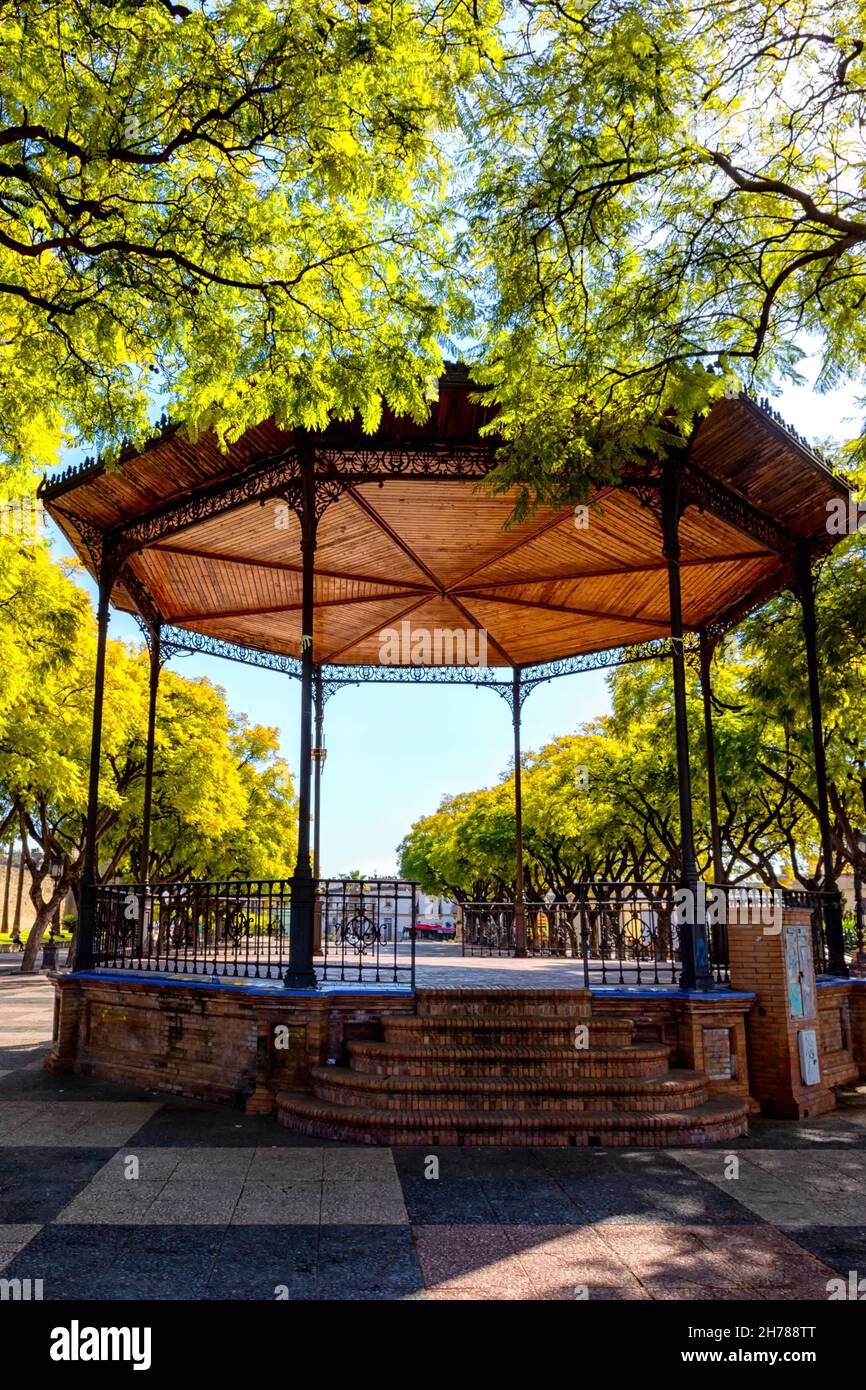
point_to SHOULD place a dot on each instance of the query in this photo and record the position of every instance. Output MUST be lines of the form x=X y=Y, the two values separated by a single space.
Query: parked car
x=432 y=931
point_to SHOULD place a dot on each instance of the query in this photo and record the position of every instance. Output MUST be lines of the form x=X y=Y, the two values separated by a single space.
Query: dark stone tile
x=446 y=1201
x=163 y=1262
x=640 y=1186
x=828 y=1132
x=627 y=1165
x=197 y=1244
x=196 y=1124
x=367 y=1262
x=532 y=1203
x=254 y=1261
x=43 y=1085
x=13 y=1058
x=841 y=1247
x=72 y=1261
x=36 y=1183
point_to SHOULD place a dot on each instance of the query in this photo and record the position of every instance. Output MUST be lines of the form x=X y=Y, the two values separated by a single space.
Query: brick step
x=715 y=1120
x=416 y=1059
x=537 y=1003
x=679 y=1090
x=508 y=1030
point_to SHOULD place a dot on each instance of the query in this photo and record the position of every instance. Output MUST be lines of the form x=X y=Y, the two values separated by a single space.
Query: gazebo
x=343 y=556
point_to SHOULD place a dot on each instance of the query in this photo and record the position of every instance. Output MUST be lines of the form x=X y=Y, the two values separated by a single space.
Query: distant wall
x=27 y=913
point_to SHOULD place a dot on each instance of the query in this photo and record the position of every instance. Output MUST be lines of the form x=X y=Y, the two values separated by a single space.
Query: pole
x=155 y=648
x=319 y=752
x=519 y=898
x=695 y=973
x=300 y=973
x=317 y=770
x=836 y=963
x=706 y=656
x=84 y=936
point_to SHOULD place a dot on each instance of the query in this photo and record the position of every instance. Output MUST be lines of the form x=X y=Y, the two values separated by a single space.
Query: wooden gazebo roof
x=408 y=535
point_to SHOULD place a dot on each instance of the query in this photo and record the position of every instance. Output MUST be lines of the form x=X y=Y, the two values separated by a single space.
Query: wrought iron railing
x=367 y=930
x=364 y=929
x=616 y=933
x=628 y=933
x=622 y=933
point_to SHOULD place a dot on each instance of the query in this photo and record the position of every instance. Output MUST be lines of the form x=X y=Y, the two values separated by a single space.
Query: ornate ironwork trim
x=334 y=678
x=273 y=478
x=358 y=463
x=141 y=596
x=700 y=490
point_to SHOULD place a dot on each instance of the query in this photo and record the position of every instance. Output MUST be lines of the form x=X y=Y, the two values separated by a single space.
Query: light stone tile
x=784 y=1186
x=289 y=1203
x=363 y=1203
x=278 y=1164
x=368 y=1163
x=205 y=1208
x=74 y=1124
x=154 y=1166
x=206 y=1164
x=124 y=1206
x=14 y=1115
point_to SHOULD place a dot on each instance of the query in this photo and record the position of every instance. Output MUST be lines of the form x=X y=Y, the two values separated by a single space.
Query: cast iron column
x=155 y=648
x=833 y=910
x=519 y=901
x=706 y=656
x=300 y=974
x=87 y=895
x=319 y=759
x=317 y=771
x=693 y=932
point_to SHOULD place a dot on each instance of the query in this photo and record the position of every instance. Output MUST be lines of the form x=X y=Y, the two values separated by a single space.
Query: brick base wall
x=211 y=1042
x=244 y=1045
x=705 y=1033
x=835 y=1033
x=757 y=962
x=857 y=1016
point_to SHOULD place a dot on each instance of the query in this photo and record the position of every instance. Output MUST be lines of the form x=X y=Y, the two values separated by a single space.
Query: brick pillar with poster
x=782 y=1029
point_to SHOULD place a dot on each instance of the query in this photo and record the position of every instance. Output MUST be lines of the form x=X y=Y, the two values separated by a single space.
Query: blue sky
x=395 y=751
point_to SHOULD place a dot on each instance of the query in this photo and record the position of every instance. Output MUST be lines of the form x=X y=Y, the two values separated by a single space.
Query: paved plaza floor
x=442 y=965
x=108 y=1191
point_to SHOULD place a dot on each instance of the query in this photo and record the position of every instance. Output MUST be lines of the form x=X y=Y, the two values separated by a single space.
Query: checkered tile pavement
x=111 y=1192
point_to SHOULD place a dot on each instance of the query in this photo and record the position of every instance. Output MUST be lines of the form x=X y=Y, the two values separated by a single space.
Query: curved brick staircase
x=501 y=1067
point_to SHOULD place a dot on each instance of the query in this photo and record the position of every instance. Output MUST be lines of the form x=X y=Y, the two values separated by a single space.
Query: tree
x=233 y=206
x=465 y=849
x=669 y=200
x=223 y=800
x=249 y=828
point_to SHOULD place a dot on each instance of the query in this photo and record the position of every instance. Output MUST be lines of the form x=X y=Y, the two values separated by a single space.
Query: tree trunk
x=45 y=913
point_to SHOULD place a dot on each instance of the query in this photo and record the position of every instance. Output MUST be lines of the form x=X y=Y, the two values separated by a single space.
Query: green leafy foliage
x=668 y=200
x=235 y=207
x=223 y=801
